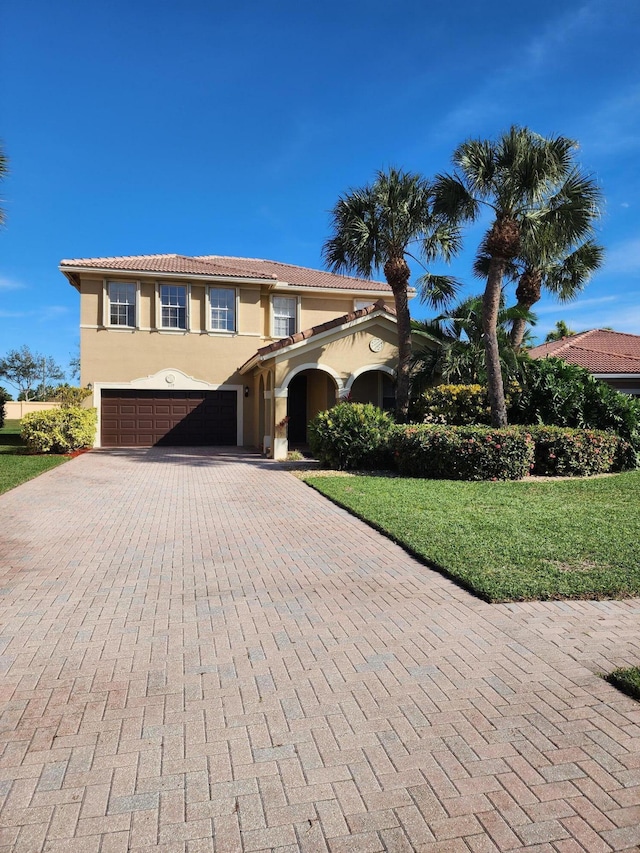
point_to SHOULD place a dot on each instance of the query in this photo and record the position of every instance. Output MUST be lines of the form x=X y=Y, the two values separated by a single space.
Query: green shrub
x=351 y=435
x=59 y=430
x=561 y=394
x=462 y=452
x=452 y=404
x=70 y=395
x=562 y=452
x=5 y=396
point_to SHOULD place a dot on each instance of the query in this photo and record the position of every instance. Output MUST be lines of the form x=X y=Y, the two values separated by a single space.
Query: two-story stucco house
x=218 y=350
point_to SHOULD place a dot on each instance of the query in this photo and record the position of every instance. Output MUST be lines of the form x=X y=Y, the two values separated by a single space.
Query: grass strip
x=16 y=466
x=627 y=680
x=509 y=541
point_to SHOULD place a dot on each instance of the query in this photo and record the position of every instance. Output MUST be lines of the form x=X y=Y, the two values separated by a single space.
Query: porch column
x=280 y=438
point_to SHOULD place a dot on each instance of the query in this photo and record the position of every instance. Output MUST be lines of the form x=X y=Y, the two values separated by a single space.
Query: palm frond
x=437 y=290
x=453 y=201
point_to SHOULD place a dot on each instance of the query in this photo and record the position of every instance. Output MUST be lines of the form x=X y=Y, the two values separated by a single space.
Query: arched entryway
x=310 y=391
x=373 y=385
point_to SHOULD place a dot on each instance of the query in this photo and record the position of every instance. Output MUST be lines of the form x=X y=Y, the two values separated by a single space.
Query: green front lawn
x=510 y=541
x=15 y=466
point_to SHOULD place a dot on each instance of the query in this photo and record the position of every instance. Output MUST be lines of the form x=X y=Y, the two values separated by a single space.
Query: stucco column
x=280 y=439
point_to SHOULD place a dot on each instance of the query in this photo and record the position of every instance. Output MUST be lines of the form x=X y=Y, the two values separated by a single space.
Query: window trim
x=208 y=308
x=106 y=304
x=296 y=315
x=180 y=330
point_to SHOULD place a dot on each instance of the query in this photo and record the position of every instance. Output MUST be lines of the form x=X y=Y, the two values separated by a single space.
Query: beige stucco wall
x=346 y=354
x=17 y=410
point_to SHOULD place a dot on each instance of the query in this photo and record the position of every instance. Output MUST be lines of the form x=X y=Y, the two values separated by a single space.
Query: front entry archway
x=309 y=392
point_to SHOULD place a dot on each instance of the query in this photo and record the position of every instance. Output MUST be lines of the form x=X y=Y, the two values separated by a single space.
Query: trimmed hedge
x=562 y=452
x=59 y=430
x=351 y=435
x=462 y=452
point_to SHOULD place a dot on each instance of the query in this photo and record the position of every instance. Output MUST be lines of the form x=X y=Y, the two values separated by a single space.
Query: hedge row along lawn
x=15 y=466
x=509 y=541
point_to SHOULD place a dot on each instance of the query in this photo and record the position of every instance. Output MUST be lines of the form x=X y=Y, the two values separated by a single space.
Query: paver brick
x=229 y=662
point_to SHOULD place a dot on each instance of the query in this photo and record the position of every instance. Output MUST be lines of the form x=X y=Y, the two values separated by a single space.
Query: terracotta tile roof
x=228 y=267
x=323 y=327
x=598 y=350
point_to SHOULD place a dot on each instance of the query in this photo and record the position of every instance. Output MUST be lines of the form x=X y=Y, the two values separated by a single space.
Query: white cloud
x=494 y=98
x=557 y=308
x=7 y=283
x=624 y=257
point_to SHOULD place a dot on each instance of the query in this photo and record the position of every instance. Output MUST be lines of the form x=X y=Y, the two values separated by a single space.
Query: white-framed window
x=362 y=303
x=285 y=313
x=222 y=309
x=173 y=306
x=122 y=303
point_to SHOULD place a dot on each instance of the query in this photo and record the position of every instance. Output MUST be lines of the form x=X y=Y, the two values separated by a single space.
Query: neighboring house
x=613 y=357
x=218 y=350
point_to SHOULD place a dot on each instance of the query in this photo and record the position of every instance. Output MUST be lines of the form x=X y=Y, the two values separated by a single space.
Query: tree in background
x=379 y=227
x=532 y=187
x=560 y=331
x=29 y=372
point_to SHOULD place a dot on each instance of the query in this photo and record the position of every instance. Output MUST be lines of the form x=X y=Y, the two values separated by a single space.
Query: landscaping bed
x=16 y=466
x=509 y=541
x=627 y=680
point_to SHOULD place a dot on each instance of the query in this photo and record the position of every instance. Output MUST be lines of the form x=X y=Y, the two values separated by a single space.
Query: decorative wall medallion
x=375 y=345
x=170 y=378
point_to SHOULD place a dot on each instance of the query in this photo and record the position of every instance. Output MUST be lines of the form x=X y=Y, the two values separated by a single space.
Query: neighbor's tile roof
x=598 y=350
x=228 y=267
x=323 y=327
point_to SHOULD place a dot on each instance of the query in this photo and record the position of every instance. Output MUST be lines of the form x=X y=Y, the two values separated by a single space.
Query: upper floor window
x=284 y=316
x=173 y=302
x=223 y=309
x=122 y=303
x=362 y=303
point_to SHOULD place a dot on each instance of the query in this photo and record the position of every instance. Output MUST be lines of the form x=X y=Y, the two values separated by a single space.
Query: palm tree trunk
x=490 y=309
x=528 y=293
x=397 y=272
x=518 y=329
x=404 y=355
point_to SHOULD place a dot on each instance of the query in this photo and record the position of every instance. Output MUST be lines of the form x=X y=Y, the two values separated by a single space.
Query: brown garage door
x=145 y=418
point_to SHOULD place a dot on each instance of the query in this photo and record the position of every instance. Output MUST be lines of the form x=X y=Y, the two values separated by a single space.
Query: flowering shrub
x=560 y=451
x=462 y=452
x=59 y=430
x=351 y=435
x=452 y=404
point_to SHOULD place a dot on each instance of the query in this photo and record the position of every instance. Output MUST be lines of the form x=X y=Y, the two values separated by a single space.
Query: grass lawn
x=15 y=466
x=510 y=541
x=627 y=680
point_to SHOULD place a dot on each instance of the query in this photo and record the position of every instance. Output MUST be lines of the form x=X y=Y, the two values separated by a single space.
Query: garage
x=135 y=418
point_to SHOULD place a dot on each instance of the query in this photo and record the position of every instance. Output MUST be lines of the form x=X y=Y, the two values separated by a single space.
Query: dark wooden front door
x=297 y=410
x=132 y=418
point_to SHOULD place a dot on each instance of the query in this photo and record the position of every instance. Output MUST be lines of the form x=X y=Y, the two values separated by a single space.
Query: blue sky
x=212 y=128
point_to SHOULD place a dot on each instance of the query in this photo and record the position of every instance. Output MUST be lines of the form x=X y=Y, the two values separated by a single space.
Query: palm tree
x=532 y=188
x=378 y=227
x=560 y=331
x=459 y=356
x=564 y=274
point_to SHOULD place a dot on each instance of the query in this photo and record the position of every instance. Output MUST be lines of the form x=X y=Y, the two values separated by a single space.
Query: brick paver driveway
x=199 y=653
